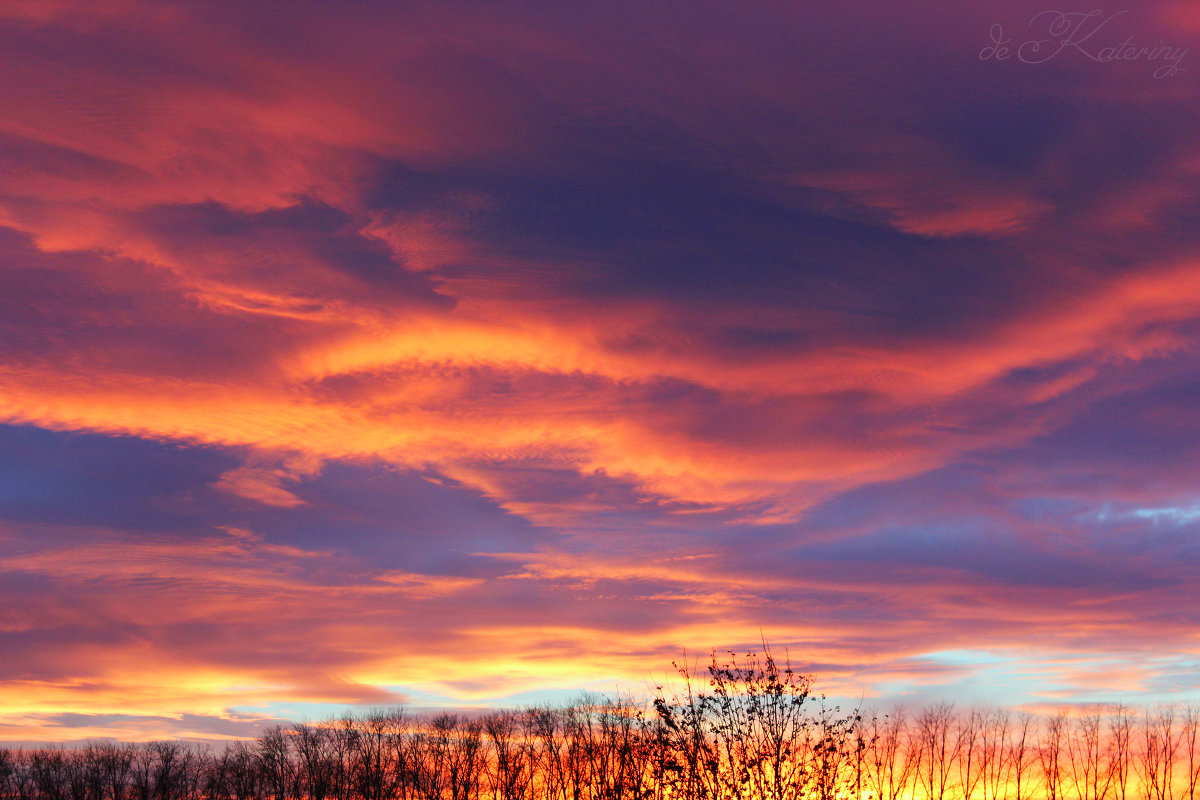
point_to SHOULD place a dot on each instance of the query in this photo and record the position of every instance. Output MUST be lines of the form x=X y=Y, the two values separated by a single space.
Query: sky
x=472 y=354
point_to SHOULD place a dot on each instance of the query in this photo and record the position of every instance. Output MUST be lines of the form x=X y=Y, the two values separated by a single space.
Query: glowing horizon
x=448 y=356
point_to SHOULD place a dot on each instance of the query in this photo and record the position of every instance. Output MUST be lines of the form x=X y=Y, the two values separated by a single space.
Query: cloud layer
x=438 y=354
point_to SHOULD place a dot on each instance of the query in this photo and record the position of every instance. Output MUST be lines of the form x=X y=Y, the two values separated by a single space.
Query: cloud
x=263 y=481
x=430 y=352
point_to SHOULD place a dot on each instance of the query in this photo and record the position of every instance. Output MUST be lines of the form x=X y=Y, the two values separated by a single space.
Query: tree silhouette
x=748 y=727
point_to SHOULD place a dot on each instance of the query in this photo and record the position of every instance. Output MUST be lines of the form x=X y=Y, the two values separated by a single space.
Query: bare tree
x=275 y=758
x=465 y=755
x=993 y=753
x=890 y=760
x=967 y=746
x=510 y=772
x=1087 y=753
x=1050 y=754
x=48 y=767
x=1158 y=753
x=8 y=768
x=1120 y=731
x=935 y=745
x=22 y=782
x=245 y=776
x=1191 y=746
x=1022 y=754
x=317 y=762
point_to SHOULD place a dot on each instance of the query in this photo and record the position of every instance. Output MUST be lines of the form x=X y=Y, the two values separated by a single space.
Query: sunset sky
x=474 y=354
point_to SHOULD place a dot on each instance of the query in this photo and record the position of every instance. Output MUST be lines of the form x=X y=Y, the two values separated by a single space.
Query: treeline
x=749 y=730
